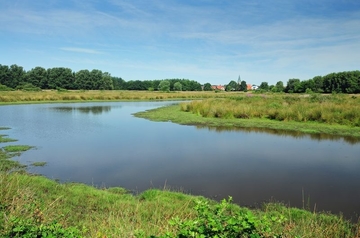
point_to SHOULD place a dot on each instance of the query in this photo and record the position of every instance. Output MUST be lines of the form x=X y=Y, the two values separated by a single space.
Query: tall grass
x=96 y=95
x=328 y=109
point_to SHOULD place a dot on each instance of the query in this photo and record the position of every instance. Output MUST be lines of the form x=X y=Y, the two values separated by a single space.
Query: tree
x=106 y=82
x=5 y=77
x=207 y=87
x=61 y=78
x=279 y=87
x=118 y=83
x=318 y=84
x=83 y=80
x=243 y=86
x=292 y=86
x=177 y=86
x=194 y=86
x=17 y=76
x=264 y=86
x=232 y=86
x=95 y=78
x=164 y=86
x=135 y=85
x=307 y=85
x=37 y=77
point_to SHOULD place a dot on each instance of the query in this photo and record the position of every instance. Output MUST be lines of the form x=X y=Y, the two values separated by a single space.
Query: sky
x=209 y=41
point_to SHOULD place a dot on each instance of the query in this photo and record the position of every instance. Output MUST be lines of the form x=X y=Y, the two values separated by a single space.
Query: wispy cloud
x=81 y=50
x=203 y=40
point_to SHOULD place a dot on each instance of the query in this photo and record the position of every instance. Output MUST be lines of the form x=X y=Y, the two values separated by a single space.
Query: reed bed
x=328 y=109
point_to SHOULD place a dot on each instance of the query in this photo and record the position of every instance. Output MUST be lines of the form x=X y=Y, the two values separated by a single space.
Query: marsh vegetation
x=327 y=109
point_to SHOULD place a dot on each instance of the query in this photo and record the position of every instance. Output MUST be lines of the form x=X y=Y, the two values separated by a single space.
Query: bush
x=220 y=220
x=4 y=88
x=28 y=87
x=29 y=228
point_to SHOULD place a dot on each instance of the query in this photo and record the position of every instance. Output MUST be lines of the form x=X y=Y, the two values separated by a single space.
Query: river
x=103 y=144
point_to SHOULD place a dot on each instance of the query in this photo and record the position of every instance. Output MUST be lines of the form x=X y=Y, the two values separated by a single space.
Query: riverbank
x=182 y=115
x=33 y=204
x=50 y=96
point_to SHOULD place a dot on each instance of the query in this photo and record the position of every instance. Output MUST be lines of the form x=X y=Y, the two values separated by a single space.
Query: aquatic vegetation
x=326 y=109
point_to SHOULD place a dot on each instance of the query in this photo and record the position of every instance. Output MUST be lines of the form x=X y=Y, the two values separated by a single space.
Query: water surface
x=102 y=144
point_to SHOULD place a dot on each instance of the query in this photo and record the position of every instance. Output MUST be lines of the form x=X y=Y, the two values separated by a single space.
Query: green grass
x=38 y=164
x=105 y=213
x=181 y=115
x=20 y=97
x=5 y=139
x=17 y=148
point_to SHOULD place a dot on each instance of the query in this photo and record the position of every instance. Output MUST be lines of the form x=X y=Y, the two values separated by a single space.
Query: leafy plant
x=27 y=228
x=220 y=220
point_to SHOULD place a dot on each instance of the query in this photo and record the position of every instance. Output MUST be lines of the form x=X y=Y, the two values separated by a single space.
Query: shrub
x=220 y=220
x=29 y=228
x=4 y=88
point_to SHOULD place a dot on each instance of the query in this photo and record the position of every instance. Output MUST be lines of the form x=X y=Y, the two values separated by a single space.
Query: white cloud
x=81 y=50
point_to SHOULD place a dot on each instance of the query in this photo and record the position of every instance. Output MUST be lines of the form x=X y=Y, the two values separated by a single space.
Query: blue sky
x=211 y=41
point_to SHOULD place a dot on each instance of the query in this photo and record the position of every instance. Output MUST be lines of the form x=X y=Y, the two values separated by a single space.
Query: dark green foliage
x=15 y=77
x=279 y=87
x=222 y=220
x=207 y=87
x=4 y=88
x=232 y=86
x=28 y=228
x=243 y=86
x=61 y=78
x=293 y=86
x=27 y=87
x=164 y=86
x=118 y=83
x=264 y=86
x=37 y=77
x=177 y=86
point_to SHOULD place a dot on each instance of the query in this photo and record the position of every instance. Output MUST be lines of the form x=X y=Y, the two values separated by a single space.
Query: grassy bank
x=34 y=205
x=334 y=115
x=7 y=97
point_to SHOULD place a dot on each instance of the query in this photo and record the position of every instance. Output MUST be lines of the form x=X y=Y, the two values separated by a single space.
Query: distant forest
x=14 y=77
x=38 y=78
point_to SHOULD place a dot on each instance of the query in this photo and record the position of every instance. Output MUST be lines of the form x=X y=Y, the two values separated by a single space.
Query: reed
x=328 y=109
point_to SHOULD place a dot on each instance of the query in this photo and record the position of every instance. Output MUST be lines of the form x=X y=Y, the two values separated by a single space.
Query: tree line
x=341 y=82
x=39 y=78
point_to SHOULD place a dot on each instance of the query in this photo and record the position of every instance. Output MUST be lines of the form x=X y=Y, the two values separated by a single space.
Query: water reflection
x=96 y=110
x=284 y=133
